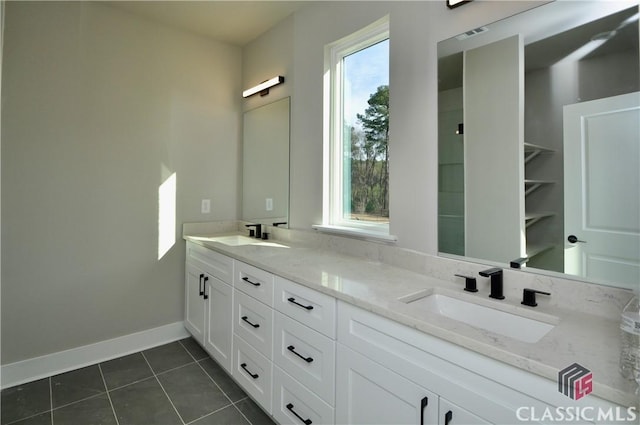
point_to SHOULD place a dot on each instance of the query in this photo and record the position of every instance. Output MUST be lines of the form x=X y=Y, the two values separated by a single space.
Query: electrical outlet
x=205 y=206
x=269 y=204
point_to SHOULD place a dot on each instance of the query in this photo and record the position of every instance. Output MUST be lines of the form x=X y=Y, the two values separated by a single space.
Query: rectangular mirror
x=539 y=142
x=265 y=164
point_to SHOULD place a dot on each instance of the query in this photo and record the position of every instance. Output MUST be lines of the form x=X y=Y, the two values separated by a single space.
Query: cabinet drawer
x=254 y=281
x=253 y=371
x=295 y=404
x=314 y=309
x=214 y=263
x=306 y=355
x=254 y=323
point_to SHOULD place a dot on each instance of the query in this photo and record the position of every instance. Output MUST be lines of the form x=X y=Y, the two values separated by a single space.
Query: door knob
x=574 y=239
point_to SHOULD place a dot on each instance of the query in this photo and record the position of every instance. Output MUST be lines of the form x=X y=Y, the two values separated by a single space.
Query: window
x=357 y=132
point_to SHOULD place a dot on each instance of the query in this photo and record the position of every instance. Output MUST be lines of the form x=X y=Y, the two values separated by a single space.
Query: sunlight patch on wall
x=166 y=215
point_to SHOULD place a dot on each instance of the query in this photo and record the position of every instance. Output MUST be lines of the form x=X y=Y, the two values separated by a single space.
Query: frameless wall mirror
x=539 y=142
x=265 y=164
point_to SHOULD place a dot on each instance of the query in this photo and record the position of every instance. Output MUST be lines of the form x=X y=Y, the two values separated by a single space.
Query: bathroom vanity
x=322 y=329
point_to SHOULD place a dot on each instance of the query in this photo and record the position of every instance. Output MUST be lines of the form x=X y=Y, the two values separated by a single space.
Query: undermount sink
x=241 y=240
x=498 y=321
x=235 y=240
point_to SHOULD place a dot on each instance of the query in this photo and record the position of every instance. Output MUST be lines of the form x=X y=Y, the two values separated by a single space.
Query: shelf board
x=534 y=185
x=531 y=151
x=532 y=218
x=530 y=147
x=533 y=250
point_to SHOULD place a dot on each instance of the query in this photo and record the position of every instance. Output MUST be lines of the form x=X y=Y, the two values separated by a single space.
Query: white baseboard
x=52 y=364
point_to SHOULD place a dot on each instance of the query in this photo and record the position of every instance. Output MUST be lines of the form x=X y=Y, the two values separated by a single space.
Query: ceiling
x=236 y=22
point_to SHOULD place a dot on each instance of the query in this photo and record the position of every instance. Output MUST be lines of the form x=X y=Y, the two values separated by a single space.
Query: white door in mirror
x=602 y=229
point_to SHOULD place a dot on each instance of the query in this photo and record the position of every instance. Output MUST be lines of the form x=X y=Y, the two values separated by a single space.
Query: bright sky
x=364 y=72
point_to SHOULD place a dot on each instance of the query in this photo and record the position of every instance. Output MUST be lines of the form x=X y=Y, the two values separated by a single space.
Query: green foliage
x=370 y=157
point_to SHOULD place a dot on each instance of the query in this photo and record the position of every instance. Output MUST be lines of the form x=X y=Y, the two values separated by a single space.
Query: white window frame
x=333 y=196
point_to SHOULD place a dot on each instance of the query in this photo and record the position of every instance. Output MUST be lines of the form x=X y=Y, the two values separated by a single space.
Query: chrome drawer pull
x=246 y=279
x=304 y=421
x=253 y=375
x=293 y=350
x=293 y=300
x=255 y=325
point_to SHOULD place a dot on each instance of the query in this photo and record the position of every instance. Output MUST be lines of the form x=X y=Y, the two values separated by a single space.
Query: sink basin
x=501 y=322
x=241 y=240
x=235 y=240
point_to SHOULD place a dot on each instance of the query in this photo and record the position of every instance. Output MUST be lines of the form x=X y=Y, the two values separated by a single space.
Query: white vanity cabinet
x=209 y=301
x=368 y=393
x=451 y=414
x=383 y=363
x=371 y=393
x=303 y=355
x=253 y=332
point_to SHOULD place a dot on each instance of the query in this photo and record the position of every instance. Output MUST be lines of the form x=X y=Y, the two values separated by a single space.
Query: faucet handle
x=495 y=271
x=529 y=296
x=469 y=283
x=518 y=262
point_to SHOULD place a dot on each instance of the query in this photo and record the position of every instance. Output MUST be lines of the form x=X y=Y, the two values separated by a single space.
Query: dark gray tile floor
x=174 y=384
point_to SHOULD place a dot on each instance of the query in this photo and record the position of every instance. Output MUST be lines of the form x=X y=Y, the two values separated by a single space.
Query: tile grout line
x=233 y=403
x=162 y=387
x=206 y=373
x=104 y=381
x=214 y=382
x=210 y=413
x=240 y=410
x=50 y=410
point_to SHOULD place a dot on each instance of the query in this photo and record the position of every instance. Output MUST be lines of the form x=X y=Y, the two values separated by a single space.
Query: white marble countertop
x=578 y=337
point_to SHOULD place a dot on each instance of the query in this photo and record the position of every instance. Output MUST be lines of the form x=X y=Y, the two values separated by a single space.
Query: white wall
x=415 y=27
x=99 y=108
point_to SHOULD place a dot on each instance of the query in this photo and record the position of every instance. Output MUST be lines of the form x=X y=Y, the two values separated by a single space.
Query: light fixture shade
x=266 y=85
x=455 y=3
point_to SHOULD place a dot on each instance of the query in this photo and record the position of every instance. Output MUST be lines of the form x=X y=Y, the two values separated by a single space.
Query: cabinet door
x=368 y=393
x=194 y=312
x=451 y=414
x=219 y=333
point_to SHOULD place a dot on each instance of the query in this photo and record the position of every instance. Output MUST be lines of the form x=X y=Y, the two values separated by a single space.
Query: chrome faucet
x=496 y=282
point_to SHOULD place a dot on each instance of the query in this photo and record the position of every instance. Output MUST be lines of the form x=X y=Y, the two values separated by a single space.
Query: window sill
x=365 y=234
